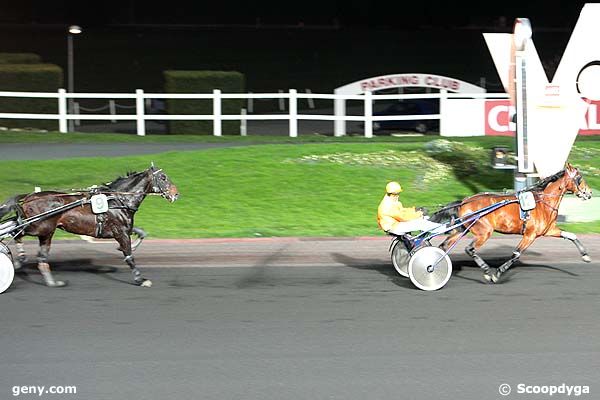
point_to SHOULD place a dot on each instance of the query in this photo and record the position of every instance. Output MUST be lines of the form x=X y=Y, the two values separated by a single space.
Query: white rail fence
x=141 y=98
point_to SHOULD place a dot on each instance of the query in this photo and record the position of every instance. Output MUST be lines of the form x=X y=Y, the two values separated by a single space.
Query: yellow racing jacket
x=390 y=212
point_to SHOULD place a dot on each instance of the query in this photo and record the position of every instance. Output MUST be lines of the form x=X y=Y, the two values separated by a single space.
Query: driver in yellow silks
x=392 y=217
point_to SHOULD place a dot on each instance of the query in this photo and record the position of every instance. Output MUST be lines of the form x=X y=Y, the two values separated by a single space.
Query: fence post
x=443 y=99
x=139 y=112
x=112 y=109
x=293 y=113
x=281 y=101
x=243 y=124
x=62 y=111
x=368 y=114
x=310 y=100
x=76 y=110
x=216 y=112
x=250 y=104
x=339 y=110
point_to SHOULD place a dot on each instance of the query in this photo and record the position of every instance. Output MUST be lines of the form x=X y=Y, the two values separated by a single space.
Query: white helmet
x=393 y=188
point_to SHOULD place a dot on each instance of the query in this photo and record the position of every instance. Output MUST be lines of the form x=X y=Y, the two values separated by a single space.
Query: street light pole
x=73 y=30
x=522 y=34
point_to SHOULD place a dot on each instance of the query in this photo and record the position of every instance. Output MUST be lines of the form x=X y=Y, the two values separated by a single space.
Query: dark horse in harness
x=124 y=196
x=548 y=193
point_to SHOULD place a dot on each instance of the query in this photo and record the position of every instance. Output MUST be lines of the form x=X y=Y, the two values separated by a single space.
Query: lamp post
x=522 y=34
x=73 y=30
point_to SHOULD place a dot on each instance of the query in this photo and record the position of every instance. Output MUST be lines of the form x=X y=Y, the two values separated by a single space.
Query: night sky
x=347 y=13
x=316 y=44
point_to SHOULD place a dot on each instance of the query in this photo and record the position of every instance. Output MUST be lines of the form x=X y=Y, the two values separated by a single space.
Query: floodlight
x=522 y=33
x=75 y=29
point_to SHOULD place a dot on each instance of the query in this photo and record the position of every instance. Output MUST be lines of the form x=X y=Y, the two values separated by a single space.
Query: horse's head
x=161 y=184
x=576 y=184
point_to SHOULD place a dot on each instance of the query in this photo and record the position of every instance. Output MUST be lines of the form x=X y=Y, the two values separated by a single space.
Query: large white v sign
x=555 y=109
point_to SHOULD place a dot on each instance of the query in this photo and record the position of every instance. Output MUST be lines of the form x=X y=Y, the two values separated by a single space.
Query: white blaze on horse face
x=555 y=109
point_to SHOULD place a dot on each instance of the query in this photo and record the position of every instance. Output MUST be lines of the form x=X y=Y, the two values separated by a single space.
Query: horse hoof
x=56 y=284
x=488 y=278
x=586 y=258
x=495 y=278
x=146 y=283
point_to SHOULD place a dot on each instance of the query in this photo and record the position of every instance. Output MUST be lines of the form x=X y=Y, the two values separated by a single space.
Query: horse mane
x=541 y=185
x=120 y=180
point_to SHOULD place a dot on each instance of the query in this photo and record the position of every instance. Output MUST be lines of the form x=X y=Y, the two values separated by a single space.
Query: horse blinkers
x=162 y=185
x=584 y=192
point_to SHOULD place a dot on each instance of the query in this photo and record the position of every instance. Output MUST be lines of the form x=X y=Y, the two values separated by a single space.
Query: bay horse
x=124 y=195
x=548 y=194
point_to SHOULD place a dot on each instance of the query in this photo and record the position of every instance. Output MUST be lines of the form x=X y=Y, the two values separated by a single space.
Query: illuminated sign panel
x=558 y=110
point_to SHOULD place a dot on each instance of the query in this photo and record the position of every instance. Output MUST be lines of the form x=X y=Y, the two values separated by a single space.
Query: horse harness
x=101 y=216
x=101 y=213
x=527 y=200
x=95 y=194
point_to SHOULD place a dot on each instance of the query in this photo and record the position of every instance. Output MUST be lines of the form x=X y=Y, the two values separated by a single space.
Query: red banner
x=498 y=112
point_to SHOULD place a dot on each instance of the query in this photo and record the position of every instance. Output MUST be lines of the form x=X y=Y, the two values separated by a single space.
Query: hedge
x=30 y=78
x=20 y=58
x=203 y=82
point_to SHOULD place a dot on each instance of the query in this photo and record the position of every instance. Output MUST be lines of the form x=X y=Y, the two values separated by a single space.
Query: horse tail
x=10 y=205
x=448 y=214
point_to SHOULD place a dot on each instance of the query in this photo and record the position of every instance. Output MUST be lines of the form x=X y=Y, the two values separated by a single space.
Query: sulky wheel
x=400 y=258
x=7 y=272
x=429 y=268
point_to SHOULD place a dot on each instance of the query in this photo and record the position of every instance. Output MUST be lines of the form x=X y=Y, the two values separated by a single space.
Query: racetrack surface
x=299 y=318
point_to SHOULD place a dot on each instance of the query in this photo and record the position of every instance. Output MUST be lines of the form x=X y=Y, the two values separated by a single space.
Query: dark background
x=398 y=14
x=311 y=44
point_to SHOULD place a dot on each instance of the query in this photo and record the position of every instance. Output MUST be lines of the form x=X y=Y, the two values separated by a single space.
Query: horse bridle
x=157 y=184
x=577 y=180
x=575 y=177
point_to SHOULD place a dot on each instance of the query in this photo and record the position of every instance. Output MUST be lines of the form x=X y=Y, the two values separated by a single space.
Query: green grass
x=91 y=138
x=320 y=189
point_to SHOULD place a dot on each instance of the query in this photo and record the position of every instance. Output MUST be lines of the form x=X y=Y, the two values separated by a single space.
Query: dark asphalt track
x=300 y=319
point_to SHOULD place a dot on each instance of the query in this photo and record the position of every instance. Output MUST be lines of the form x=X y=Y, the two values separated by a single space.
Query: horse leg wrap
x=470 y=250
x=480 y=263
x=502 y=269
x=568 y=235
x=137 y=275
x=47 y=275
x=21 y=257
x=129 y=260
x=573 y=238
x=43 y=256
x=21 y=252
x=139 y=279
x=580 y=248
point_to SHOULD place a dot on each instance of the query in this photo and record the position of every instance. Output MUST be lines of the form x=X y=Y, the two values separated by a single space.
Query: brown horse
x=124 y=196
x=547 y=193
